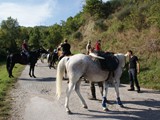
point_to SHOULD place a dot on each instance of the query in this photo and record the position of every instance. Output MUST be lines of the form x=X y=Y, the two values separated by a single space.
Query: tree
x=100 y=9
x=10 y=30
x=35 y=38
x=93 y=7
x=55 y=37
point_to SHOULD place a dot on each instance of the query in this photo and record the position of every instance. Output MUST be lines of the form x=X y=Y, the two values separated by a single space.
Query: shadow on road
x=134 y=113
x=148 y=103
x=153 y=92
x=48 y=79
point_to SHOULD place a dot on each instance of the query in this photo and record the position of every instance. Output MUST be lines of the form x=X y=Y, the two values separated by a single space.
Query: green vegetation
x=5 y=84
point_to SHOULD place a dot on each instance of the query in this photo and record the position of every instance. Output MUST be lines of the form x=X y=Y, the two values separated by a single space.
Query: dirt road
x=34 y=99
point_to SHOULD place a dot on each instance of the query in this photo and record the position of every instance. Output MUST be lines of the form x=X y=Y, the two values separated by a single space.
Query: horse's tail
x=48 y=58
x=60 y=72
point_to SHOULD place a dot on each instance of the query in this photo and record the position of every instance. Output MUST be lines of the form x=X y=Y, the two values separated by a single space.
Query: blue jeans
x=133 y=78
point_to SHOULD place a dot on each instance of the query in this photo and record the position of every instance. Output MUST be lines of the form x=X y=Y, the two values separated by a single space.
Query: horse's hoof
x=69 y=112
x=85 y=106
x=105 y=109
x=54 y=67
x=122 y=106
x=30 y=75
x=11 y=76
x=34 y=76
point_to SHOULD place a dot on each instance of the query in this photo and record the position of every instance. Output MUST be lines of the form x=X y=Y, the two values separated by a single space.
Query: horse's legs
x=104 y=99
x=33 y=71
x=68 y=93
x=30 y=71
x=116 y=85
x=54 y=62
x=50 y=62
x=10 y=69
x=77 y=89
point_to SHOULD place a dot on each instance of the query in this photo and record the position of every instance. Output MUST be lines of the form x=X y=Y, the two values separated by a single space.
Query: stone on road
x=34 y=99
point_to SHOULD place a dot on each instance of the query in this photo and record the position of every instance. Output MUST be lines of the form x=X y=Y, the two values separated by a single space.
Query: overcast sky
x=39 y=12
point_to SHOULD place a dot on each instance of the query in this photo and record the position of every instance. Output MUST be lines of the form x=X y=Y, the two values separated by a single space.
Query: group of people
x=134 y=66
x=97 y=47
x=133 y=70
x=90 y=49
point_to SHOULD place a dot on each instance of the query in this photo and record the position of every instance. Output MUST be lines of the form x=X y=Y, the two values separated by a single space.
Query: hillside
x=133 y=25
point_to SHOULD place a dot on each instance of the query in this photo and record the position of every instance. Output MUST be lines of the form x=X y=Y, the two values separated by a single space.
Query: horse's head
x=42 y=50
x=122 y=59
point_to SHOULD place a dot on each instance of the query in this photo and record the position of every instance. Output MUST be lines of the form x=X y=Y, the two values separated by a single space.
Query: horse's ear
x=42 y=48
x=126 y=55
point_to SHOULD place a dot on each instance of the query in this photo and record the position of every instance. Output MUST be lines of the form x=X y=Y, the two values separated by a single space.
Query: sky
x=32 y=13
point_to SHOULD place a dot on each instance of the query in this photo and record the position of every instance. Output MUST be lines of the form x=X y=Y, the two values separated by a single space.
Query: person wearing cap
x=88 y=48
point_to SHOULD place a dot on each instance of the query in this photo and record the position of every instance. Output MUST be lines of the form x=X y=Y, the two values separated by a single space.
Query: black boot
x=100 y=84
x=93 y=91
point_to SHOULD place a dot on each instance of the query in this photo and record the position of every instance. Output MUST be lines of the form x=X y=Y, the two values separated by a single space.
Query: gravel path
x=34 y=99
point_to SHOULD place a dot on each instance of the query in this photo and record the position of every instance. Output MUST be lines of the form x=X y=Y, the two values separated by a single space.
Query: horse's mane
x=122 y=59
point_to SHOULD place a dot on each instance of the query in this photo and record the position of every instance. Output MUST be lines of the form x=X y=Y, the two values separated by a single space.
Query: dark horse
x=53 y=58
x=12 y=59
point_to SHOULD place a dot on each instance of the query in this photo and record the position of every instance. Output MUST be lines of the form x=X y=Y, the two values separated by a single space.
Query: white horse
x=48 y=58
x=43 y=56
x=82 y=65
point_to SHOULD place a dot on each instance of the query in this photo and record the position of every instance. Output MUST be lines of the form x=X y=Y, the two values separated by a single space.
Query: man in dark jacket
x=134 y=68
x=65 y=47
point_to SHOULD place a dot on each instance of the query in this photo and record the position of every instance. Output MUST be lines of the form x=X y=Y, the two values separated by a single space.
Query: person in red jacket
x=100 y=84
x=98 y=45
x=25 y=46
x=25 y=49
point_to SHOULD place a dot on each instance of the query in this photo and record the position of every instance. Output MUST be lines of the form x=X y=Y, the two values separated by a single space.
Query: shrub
x=123 y=13
x=116 y=26
x=99 y=25
x=77 y=35
x=153 y=45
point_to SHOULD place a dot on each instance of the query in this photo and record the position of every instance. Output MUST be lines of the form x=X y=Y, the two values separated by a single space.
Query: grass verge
x=6 y=84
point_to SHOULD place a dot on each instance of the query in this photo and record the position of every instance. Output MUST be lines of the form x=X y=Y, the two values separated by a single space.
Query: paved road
x=34 y=99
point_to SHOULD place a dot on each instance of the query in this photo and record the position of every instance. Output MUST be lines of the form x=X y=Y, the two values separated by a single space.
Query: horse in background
x=52 y=58
x=81 y=65
x=43 y=56
x=12 y=59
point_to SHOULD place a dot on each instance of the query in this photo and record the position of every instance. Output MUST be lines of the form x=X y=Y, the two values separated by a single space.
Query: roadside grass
x=149 y=76
x=6 y=84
